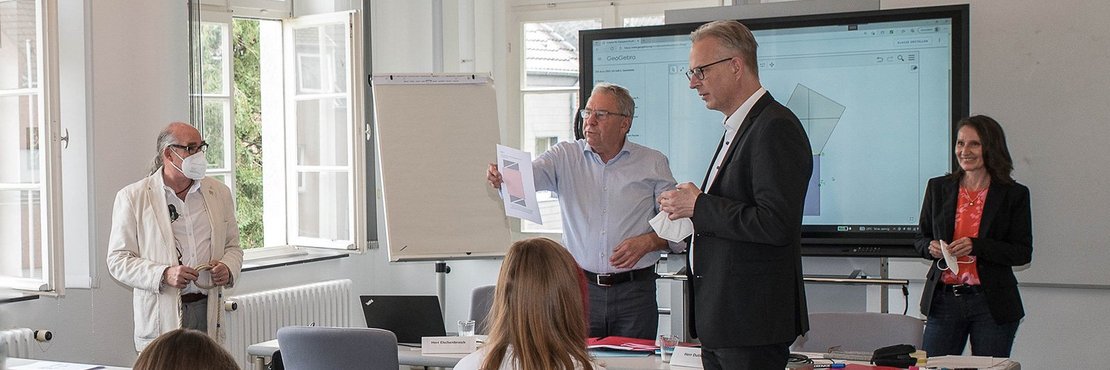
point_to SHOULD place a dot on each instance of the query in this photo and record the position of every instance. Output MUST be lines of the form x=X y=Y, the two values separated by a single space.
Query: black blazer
x=1005 y=240
x=747 y=270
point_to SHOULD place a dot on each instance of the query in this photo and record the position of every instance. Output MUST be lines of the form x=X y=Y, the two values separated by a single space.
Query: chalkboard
x=435 y=136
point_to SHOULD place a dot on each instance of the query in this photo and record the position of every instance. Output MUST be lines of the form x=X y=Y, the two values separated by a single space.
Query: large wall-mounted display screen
x=878 y=93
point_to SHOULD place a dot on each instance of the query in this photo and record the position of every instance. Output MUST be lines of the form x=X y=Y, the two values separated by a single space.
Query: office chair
x=326 y=348
x=859 y=331
x=481 y=299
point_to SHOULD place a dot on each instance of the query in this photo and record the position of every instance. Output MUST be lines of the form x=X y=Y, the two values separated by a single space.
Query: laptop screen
x=409 y=317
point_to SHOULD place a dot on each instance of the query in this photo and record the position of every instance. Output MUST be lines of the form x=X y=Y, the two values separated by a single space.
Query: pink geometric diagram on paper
x=510 y=175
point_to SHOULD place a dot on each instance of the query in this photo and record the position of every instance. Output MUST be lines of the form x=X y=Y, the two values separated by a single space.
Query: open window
x=280 y=103
x=30 y=177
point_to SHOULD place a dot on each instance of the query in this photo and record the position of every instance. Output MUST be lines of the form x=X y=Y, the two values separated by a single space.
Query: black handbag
x=897 y=355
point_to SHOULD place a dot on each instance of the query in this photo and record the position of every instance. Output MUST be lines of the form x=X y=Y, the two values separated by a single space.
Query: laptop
x=409 y=317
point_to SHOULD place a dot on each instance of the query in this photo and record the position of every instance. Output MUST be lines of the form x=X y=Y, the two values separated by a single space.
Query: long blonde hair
x=538 y=310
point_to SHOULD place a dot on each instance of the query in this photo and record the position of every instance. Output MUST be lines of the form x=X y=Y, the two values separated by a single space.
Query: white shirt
x=604 y=203
x=474 y=361
x=732 y=127
x=192 y=232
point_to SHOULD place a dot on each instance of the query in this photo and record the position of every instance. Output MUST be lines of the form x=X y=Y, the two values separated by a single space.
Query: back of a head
x=538 y=308
x=183 y=349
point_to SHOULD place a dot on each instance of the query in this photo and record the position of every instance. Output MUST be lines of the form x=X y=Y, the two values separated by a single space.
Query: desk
x=409 y=356
x=406 y=356
x=23 y=363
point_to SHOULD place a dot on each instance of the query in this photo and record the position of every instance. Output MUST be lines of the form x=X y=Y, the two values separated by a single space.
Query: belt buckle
x=598 y=277
x=956 y=290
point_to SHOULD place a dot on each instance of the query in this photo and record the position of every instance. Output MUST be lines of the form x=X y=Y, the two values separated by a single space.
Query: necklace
x=971 y=201
x=186 y=188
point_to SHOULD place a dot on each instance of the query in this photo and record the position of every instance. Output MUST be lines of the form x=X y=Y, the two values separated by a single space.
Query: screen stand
x=884 y=273
x=441 y=286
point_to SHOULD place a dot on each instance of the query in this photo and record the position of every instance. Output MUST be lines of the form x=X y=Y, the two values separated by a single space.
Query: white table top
x=410 y=356
x=29 y=364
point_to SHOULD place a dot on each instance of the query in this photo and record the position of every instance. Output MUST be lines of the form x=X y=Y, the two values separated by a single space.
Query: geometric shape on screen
x=819 y=115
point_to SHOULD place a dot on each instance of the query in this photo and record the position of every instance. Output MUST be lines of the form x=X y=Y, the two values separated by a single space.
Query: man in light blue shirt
x=607 y=188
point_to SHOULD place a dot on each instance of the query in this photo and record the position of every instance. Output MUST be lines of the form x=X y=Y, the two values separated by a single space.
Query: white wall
x=137 y=79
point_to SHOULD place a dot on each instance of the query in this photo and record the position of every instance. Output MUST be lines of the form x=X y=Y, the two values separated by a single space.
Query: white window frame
x=281 y=230
x=52 y=281
x=225 y=96
x=356 y=153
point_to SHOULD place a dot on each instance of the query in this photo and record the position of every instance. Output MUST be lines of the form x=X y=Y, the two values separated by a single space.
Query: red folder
x=623 y=343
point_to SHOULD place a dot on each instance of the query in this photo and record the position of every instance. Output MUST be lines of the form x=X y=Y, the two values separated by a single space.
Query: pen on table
x=830 y=366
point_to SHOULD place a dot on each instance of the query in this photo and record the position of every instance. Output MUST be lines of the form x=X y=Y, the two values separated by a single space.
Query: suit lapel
x=157 y=199
x=990 y=208
x=712 y=161
x=745 y=125
x=212 y=205
x=951 y=194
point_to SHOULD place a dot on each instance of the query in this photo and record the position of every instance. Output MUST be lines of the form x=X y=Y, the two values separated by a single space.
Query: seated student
x=538 y=315
x=183 y=349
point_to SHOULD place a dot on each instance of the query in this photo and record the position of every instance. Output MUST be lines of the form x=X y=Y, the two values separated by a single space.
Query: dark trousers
x=625 y=310
x=952 y=319
x=768 y=357
x=195 y=315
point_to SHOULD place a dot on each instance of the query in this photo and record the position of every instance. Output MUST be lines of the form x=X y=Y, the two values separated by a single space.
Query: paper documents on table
x=518 y=187
x=979 y=362
x=949 y=259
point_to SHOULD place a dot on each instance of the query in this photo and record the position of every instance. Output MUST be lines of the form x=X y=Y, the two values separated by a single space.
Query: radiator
x=20 y=342
x=255 y=317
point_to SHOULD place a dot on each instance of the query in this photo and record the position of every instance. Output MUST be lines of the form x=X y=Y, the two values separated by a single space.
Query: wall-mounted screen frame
x=877 y=91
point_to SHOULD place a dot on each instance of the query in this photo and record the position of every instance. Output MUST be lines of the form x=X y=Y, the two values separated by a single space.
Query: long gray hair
x=165 y=139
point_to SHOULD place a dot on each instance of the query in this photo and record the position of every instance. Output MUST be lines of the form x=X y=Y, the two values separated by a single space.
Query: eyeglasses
x=599 y=114
x=192 y=149
x=699 y=71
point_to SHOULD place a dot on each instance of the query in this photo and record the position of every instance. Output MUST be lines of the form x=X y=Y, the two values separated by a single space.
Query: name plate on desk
x=687 y=357
x=432 y=345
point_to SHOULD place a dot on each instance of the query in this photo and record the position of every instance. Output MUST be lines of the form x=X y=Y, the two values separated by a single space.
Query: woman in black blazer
x=982 y=217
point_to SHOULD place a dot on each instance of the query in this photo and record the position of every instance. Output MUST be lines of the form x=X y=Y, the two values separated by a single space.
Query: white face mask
x=194 y=166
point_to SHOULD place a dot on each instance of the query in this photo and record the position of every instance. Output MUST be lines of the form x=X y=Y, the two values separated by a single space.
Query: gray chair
x=326 y=348
x=859 y=331
x=481 y=299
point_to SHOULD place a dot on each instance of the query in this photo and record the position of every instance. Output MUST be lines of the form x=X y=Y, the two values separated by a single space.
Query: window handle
x=65 y=139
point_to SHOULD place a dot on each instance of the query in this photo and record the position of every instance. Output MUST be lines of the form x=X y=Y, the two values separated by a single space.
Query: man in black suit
x=745 y=265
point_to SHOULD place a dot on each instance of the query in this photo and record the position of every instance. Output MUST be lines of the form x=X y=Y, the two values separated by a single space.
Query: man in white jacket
x=174 y=240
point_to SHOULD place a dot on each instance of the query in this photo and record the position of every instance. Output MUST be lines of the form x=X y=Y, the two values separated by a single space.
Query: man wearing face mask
x=174 y=240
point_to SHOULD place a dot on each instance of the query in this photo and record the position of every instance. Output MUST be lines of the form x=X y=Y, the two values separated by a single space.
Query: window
x=542 y=143
x=546 y=64
x=30 y=228
x=277 y=95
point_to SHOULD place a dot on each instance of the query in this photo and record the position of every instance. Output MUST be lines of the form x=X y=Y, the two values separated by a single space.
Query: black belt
x=959 y=290
x=607 y=279
x=192 y=297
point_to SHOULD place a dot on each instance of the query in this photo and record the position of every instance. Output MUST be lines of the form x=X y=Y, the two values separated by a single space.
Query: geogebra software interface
x=874 y=99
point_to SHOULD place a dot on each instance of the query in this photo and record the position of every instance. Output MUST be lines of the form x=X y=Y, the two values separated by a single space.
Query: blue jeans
x=952 y=319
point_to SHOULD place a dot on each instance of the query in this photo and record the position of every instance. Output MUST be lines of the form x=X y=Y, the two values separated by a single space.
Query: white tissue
x=673 y=230
x=949 y=259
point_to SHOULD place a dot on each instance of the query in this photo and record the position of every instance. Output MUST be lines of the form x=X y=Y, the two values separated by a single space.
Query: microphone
x=173 y=213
